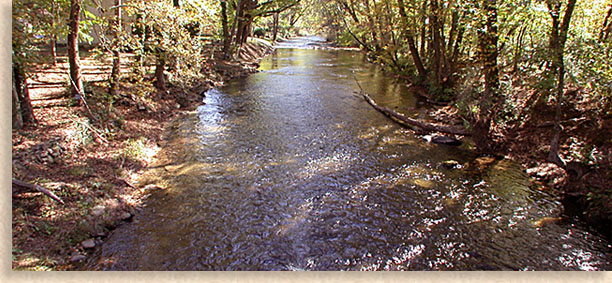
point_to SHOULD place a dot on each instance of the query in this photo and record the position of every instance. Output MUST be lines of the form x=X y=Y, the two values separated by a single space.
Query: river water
x=288 y=169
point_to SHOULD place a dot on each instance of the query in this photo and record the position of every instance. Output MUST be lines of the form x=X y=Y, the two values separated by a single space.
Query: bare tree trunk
x=116 y=70
x=557 y=45
x=409 y=122
x=73 y=50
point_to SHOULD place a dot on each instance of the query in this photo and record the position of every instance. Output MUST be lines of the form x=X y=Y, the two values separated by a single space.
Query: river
x=288 y=169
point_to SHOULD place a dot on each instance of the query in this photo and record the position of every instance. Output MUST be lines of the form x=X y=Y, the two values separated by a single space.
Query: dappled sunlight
x=326 y=165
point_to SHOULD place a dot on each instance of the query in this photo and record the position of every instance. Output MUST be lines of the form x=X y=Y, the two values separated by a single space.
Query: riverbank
x=93 y=165
x=585 y=145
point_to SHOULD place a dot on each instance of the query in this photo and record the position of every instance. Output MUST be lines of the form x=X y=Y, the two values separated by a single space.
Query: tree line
x=177 y=35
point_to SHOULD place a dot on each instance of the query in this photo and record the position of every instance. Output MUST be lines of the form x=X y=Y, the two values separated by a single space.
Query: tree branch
x=38 y=188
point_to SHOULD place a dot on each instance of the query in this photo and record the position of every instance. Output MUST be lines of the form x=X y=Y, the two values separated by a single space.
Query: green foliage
x=178 y=32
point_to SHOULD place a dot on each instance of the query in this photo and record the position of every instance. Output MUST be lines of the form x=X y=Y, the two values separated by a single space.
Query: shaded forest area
x=94 y=82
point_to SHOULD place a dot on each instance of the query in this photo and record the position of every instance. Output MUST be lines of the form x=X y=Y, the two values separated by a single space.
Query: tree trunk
x=53 y=39
x=606 y=28
x=557 y=45
x=116 y=70
x=275 y=24
x=234 y=27
x=17 y=117
x=23 y=95
x=241 y=20
x=160 y=77
x=226 y=35
x=423 y=39
x=73 y=50
x=414 y=52
x=437 y=43
x=245 y=21
x=372 y=28
x=53 y=44
x=489 y=100
x=518 y=48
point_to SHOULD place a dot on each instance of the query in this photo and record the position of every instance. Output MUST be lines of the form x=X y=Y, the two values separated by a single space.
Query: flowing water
x=288 y=169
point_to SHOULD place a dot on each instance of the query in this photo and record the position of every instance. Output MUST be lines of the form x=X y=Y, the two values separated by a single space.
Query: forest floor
x=93 y=164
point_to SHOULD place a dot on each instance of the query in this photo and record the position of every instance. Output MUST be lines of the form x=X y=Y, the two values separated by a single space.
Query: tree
x=490 y=99
x=26 y=25
x=558 y=38
x=116 y=69
x=73 y=50
x=225 y=29
x=17 y=118
x=606 y=27
x=414 y=52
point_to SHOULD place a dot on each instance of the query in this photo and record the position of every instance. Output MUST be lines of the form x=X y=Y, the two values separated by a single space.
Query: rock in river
x=439 y=139
x=445 y=140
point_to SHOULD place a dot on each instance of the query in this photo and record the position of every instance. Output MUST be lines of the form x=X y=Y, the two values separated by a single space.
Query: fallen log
x=409 y=122
x=406 y=121
x=38 y=188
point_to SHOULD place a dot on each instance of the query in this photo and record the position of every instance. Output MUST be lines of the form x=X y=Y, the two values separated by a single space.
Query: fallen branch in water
x=409 y=122
x=38 y=188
